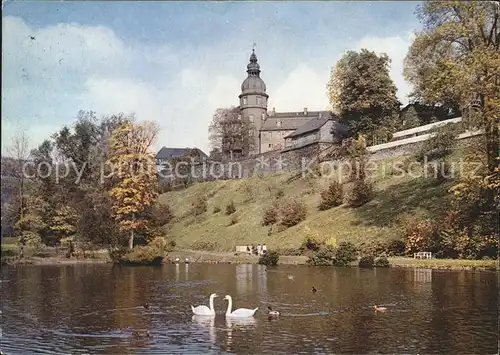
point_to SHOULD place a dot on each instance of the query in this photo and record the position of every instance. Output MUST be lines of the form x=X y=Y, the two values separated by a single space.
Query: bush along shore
x=209 y=257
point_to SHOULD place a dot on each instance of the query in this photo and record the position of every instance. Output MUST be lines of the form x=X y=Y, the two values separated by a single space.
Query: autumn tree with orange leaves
x=135 y=180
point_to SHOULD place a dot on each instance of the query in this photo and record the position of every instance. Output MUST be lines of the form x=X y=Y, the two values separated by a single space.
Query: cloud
x=304 y=87
x=68 y=67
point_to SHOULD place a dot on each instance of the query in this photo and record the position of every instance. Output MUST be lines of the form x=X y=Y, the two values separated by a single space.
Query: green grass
x=445 y=263
x=397 y=199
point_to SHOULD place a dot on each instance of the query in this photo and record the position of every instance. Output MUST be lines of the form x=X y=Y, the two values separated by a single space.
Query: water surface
x=96 y=309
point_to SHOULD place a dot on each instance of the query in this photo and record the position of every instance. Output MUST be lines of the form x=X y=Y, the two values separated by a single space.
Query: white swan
x=204 y=310
x=240 y=312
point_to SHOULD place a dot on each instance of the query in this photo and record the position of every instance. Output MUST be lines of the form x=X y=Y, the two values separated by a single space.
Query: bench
x=422 y=255
x=241 y=249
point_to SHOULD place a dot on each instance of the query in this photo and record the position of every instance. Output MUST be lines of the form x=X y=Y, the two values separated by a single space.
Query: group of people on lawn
x=260 y=250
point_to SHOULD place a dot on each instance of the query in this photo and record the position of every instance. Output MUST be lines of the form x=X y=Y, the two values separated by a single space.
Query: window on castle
x=278 y=123
x=250 y=117
x=244 y=101
x=258 y=100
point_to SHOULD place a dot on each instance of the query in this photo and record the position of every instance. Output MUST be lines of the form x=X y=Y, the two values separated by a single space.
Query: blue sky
x=176 y=62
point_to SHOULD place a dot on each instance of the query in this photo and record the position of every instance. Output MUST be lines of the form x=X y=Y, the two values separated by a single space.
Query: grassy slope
x=397 y=199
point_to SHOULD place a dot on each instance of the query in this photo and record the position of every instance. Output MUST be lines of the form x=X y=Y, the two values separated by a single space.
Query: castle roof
x=315 y=124
x=298 y=114
x=170 y=153
x=290 y=121
x=310 y=126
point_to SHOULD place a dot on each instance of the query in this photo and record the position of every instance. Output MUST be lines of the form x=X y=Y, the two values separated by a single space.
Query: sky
x=177 y=62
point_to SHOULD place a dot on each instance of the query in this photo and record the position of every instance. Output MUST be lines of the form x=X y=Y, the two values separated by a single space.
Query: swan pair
x=237 y=313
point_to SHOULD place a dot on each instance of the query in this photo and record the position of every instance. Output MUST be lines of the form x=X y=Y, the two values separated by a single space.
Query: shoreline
x=212 y=257
x=396 y=262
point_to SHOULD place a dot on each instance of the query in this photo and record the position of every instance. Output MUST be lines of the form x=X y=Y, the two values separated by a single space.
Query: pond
x=89 y=309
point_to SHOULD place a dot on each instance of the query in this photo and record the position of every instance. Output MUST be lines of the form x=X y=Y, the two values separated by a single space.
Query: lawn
x=397 y=200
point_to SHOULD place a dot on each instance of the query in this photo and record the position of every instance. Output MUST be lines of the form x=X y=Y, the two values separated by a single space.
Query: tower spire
x=253 y=68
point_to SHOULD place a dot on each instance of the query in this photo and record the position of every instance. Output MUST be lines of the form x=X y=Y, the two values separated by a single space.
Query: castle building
x=282 y=130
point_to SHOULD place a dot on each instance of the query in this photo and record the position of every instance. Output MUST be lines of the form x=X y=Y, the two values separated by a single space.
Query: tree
x=229 y=134
x=85 y=146
x=180 y=168
x=456 y=58
x=31 y=224
x=360 y=189
x=46 y=195
x=64 y=223
x=364 y=94
x=331 y=197
x=135 y=185
x=410 y=118
x=19 y=154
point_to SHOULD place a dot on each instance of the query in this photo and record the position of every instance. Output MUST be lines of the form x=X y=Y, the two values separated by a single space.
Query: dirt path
x=229 y=257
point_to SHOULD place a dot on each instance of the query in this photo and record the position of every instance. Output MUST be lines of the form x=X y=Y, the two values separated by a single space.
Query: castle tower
x=253 y=100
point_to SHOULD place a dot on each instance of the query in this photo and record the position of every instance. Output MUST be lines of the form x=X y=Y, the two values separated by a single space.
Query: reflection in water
x=423 y=275
x=243 y=324
x=235 y=323
x=206 y=322
x=243 y=278
x=186 y=272
x=95 y=309
x=262 y=279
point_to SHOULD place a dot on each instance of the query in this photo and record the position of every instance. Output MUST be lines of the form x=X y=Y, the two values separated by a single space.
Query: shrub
x=161 y=214
x=140 y=255
x=324 y=256
x=32 y=239
x=280 y=193
x=143 y=255
x=230 y=209
x=9 y=253
x=164 y=185
x=331 y=242
x=290 y=251
x=270 y=258
x=293 y=212
x=216 y=209
x=440 y=170
x=440 y=144
x=205 y=245
x=395 y=247
x=382 y=261
x=331 y=197
x=345 y=253
x=361 y=192
x=233 y=220
x=159 y=243
x=199 y=206
x=421 y=235
x=270 y=216
x=372 y=248
x=311 y=241
x=366 y=261
x=117 y=253
x=248 y=190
